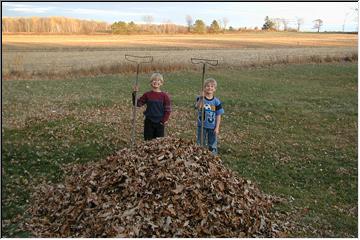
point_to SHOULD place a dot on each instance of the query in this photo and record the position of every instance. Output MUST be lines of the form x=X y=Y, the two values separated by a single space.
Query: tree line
x=121 y=27
x=167 y=28
x=70 y=25
x=276 y=24
x=52 y=25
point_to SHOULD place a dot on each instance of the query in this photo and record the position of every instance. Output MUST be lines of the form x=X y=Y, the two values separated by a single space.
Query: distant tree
x=148 y=19
x=199 y=26
x=168 y=27
x=343 y=26
x=52 y=25
x=285 y=23
x=189 y=22
x=132 y=27
x=277 y=23
x=119 y=28
x=299 y=22
x=231 y=29
x=268 y=25
x=225 y=21
x=356 y=18
x=317 y=24
x=214 y=27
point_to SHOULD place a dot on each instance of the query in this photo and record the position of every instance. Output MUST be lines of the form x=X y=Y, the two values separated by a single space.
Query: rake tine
x=204 y=61
x=139 y=59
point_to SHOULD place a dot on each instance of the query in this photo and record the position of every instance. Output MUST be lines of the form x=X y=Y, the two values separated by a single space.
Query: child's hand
x=136 y=88
x=202 y=93
x=216 y=131
x=199 y=103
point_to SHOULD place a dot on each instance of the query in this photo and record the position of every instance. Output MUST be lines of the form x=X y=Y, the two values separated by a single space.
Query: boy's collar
x=209 y=99
x=155 y=91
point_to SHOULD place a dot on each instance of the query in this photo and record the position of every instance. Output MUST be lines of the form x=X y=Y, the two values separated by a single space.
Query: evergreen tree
x=199 y=27
x=119 y=28
x=132 y=27
x=214 y=27
x=268 y=25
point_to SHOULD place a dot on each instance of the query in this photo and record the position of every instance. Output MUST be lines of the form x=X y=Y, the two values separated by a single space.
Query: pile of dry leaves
x=164 y=188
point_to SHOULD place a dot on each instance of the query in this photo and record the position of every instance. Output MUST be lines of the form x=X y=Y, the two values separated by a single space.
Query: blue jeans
x=210 y=139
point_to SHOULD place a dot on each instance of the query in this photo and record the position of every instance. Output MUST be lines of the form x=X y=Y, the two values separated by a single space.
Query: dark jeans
x=153 y=130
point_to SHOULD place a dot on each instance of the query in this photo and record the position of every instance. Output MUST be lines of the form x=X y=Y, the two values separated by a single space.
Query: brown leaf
x=179 y=188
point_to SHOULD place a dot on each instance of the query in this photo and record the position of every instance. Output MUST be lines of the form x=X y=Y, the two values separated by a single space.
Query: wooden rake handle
x=211 y=62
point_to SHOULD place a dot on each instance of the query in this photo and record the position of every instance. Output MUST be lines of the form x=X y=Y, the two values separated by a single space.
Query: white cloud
x=106 y=12
x=10 y=4
x=25 y=8
x=28 y=9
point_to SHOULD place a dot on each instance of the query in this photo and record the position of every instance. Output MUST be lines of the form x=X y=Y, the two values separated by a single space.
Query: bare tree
x=225 y=21
x=317 y=24
x=189 y=22
x=148 y=19
x=277 y=23
x=343 y=26
x=52 y=24
x=285 y=23
x=356 y=14
x=299 y=22
x=168 y=27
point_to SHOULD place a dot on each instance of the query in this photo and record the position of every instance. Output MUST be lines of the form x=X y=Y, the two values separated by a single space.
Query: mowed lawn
x=291 y=129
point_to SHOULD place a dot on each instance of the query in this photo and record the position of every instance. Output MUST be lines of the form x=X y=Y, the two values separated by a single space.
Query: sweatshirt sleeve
x=141 y=101
x=219 y=110
x=167 y=108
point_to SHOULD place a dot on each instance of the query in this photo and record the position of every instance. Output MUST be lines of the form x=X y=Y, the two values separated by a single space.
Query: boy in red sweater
x=158 y=107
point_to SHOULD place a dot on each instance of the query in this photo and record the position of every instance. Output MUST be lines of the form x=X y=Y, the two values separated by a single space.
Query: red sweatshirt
x=158 y=106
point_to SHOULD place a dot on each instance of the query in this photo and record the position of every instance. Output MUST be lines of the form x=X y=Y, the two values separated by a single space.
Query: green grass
x=290 y=129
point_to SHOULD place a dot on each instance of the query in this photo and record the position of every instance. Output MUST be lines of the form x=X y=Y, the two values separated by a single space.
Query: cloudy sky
x=239 y=14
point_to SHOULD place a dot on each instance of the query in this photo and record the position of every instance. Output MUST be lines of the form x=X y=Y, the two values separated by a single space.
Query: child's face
x=210 y=88
x=156 y=83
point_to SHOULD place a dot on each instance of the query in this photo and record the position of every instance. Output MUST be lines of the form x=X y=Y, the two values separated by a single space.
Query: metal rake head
x=139 y=59
x=211 y=62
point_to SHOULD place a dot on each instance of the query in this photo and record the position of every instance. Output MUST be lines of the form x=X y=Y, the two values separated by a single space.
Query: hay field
x=180 y=41
x=52 y=54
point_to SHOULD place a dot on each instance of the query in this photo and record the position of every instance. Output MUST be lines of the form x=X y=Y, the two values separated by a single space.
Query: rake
x=138 y=60
x=204 y=62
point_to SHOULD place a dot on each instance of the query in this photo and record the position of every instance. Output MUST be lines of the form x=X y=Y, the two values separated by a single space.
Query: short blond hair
x=210 y=80
x=157 y=75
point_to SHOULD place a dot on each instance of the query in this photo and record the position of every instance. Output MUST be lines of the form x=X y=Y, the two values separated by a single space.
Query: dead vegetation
x=165 y=188
x=65 y=57
x=17 y=70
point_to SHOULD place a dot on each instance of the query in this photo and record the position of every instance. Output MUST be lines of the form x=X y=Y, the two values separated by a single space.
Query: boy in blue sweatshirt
x=212 y=115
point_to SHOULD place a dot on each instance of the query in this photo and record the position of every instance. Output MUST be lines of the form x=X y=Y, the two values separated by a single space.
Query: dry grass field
x=218 y=41
x=70 y=55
